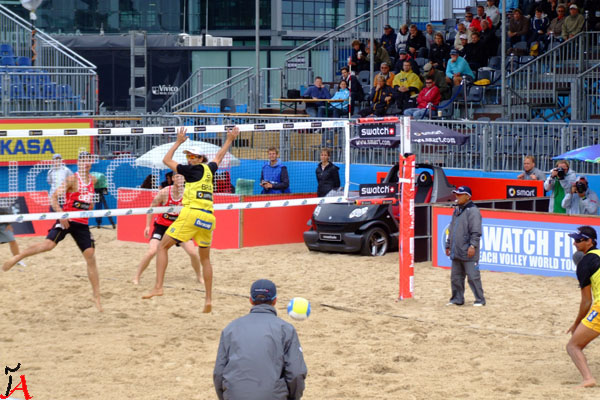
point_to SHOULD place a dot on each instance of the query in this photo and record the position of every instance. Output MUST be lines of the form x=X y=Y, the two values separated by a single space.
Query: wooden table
x=295 y=103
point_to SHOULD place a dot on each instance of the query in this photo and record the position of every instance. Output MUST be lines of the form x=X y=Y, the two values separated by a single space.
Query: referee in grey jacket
x=462 y=246
x=259 y=354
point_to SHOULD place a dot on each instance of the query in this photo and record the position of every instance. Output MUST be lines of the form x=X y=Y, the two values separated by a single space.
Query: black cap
x=387 y=27
x=263 y=291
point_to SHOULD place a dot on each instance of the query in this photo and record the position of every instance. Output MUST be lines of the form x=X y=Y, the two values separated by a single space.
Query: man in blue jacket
x=315 y=92
x=259 y=354
x=274 y=176
x=456 y=68
x=462 y=246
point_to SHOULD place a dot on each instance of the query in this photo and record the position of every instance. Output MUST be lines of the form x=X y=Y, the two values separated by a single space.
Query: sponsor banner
x=520 y=191
x=524 y=242
x=35 y=148
x=369 y=143
x=370 y=131
x=378 y=189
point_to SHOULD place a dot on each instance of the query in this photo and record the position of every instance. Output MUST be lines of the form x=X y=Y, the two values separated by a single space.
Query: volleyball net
x=127 y=164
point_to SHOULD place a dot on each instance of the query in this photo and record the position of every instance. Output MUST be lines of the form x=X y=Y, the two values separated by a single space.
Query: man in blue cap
x=259 y=355
x=462 y=246
x=587 y=323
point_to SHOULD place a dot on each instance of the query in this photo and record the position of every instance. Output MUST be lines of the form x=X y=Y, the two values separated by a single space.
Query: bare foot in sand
x=587 y=383
x=96 y=301
x=207 y=308
x=135 y=280
x=154 y=292
x=200 y=279
x=8 y=265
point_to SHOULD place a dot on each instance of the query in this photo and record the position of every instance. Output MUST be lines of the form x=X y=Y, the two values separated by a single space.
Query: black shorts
x=159 y=231
x=80 y=233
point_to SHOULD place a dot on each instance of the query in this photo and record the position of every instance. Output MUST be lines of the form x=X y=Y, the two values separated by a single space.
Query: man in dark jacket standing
x=462 y=246
x=259 y=355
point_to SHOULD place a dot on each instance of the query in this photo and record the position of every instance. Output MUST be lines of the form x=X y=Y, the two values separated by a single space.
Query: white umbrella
x=153 y=158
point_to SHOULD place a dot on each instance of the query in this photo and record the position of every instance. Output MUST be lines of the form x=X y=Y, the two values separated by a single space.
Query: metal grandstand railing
x=329 y=52
x=541 y=88
x=59 y=82
x=585 y=95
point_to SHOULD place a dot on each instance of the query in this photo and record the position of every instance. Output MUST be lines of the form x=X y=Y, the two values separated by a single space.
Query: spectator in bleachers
x=357 y=60
x=539 y=27
x=439 y=79
x=555 y=29
x=492 y=12
x=416 y=40
x=384 y=69
x=518 y=27
x=404 y=56
x=341 y=109
x=462 y=49
x=530 y=171
x=462 y=30
x=388 y=40
x=317 y=91
x=581 y=199
x=457 y=68
x=475 y=53
x=489 y=39
x=356 y=91
x=429 y=36
x=560 y=181
x=407 y=85
x=380 y=98
x=573 y=23
x=428 y=97
x=544 y=5
x=401 y=38
x=481 y=16
x=439 y=53
x=381 y=54
x=471 y=23
x=552 y=9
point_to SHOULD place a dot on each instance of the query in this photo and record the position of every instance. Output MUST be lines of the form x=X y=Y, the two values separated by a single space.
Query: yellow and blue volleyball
x=298 y=308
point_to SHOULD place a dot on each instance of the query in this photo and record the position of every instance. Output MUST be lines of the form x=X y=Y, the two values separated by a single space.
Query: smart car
x=371 y=229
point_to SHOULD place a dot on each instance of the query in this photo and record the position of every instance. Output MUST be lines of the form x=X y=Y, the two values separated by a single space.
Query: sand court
x=358 y=342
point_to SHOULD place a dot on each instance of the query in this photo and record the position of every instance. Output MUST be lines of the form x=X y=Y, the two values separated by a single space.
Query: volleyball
x=298 y=308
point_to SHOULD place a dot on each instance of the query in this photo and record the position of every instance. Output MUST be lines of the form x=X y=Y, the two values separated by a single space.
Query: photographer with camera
x=581 y=199
x=560 y=181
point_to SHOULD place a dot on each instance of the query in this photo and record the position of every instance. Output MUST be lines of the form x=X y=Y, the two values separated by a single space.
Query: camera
x=560 y=173
x=581 y=187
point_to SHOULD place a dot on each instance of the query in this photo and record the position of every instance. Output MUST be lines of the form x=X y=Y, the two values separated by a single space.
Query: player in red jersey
x=78 y=190
x=168 y=196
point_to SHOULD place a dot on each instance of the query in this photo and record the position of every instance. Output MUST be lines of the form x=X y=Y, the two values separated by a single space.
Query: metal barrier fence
x=59 y=82
x=542 y=83
x=47 y=90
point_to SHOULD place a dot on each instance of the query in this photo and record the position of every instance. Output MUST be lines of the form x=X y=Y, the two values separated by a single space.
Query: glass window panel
x=298 y=6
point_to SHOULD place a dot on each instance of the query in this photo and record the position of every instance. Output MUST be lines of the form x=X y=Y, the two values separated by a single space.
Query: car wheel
x=376 y=242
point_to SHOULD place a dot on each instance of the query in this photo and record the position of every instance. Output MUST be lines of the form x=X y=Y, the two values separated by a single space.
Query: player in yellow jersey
x=196 y=220
x=587 y=324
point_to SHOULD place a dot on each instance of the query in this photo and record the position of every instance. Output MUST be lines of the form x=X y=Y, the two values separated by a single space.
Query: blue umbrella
x=587 y=153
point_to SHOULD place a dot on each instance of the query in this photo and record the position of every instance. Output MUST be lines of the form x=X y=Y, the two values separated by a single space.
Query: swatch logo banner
x=377 y=130
x=378 y=189
x=521 y=191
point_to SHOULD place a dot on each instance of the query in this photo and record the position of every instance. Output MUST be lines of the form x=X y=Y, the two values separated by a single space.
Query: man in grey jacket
x=259 y=354
x=462 y=246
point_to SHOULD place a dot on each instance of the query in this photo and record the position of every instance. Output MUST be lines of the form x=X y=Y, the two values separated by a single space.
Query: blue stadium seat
x=8 y=61
x=24 y=61
x=6 y=50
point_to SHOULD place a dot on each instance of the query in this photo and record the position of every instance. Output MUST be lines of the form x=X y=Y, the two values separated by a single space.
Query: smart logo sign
x=520 y=191
x=516 y=242
x=370 y=131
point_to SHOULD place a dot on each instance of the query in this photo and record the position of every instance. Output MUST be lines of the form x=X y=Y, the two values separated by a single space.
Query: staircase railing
x=585 y=95
x=541 y=82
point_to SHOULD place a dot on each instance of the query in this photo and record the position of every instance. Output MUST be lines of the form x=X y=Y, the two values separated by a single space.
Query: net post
x=407 y=215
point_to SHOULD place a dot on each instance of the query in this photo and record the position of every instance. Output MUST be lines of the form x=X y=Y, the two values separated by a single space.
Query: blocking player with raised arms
x=78 y=191
x=196 y=220
x=168 y=196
